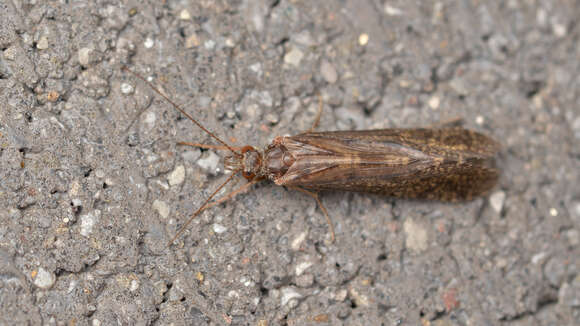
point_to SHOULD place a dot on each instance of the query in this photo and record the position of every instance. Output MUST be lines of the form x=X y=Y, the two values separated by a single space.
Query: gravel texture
x=93 y=183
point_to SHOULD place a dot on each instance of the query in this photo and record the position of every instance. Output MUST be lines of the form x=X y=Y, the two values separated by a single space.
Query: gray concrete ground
x=93 y=185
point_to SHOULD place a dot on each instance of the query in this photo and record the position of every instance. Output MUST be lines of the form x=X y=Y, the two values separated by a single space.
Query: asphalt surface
x=93 y=183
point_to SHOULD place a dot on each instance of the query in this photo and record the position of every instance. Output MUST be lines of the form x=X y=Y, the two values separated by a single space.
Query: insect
x=446 y=164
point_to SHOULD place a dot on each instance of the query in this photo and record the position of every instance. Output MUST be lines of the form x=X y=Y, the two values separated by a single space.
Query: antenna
x=178 y=108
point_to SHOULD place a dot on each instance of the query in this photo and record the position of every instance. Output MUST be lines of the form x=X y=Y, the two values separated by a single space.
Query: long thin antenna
x=178 y=108
x=201 y=208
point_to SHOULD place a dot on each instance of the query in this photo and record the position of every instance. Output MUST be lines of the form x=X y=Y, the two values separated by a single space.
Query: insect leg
x=232 y=194
x=201 y=209
x=205 y=146
x=318 y=114
x=315 y=196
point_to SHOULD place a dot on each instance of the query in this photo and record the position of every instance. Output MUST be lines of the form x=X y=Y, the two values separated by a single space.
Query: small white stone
x=209 y=44
x=99 y=173
x=127 y=88
x=392 y=11
x=559 y=29
x=328 y=72
x=553 y=212
x=416 y=236
x=177 y=176
x=360 y=299
x=340 y=295
x=44 y=279
x=88 y=221
x=434 y=102
x=161 y=207
x=256 y=68
x=219 y=229
x=184 y=15
x=42 y=43
x=541 y=17
x=134 y=285
x=150 y=119
x=539 y=258
x=191 y=41
x=479 y=120
x=288 y=294
x=297 y=242
x=209 y=163
x=300 y=268
x=496 y=201
x=363 y=39
x=149 y=42
x=84 y=55
x=96 y=322
x=293 y=57
x=229 y=43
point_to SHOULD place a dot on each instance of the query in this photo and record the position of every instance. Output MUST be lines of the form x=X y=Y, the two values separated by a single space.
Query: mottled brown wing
x=444 y=164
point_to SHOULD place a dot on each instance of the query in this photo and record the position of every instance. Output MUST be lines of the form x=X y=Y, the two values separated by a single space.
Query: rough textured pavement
x=93 y=184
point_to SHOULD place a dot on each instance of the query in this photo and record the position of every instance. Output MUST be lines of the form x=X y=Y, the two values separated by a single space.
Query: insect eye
x=248 y=175
x=288 y=159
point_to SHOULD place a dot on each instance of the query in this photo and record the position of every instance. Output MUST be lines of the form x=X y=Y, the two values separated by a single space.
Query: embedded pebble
x=496 y=200
x=479 y=120
x=304 y=38
x=392 y=11
x=272 y=118
x=328 y=72
x=134 y=285
x=256 y=68
x=293 y=57
x=88 y=221
x=127 y=88
x=434 y=102
x=161 y=207
x=559 y=29
x=573 y=237
x=363 y=39
x=297 y=242
x=361 y=300
x=416 y=236
x=149 y=42
x=300 y=268
x=84 y=55
x=177 y=176
x=539 y=258
x=209 y=44
x=150 y=119
x=340 y=295
x=219 y=229
x=576 y=209
x=191 y=41
x=289 y=293
x=209 y=163
x=184 y=15
x=42 y=43
x=230 y=43
x=44 y=279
